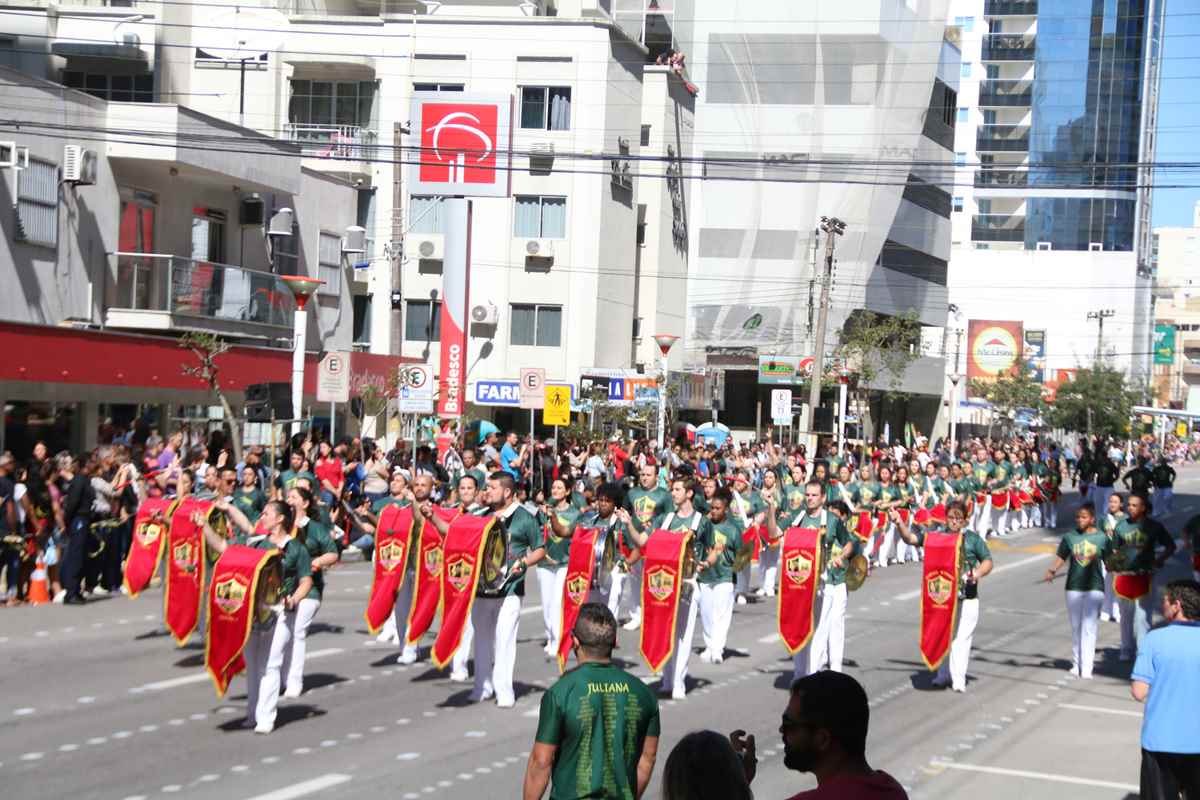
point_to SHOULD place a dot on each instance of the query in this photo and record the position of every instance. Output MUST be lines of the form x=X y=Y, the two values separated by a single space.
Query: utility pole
x=396 y=249
x=1099 y=316
x=955 y=377
x=833 y=227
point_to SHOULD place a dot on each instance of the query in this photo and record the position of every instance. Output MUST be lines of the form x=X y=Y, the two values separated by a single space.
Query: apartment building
x=1176 y=263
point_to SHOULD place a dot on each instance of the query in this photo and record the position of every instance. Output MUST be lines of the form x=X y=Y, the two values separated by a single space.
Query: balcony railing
x=1006 y=47
x=1010 y=8
x=997 y=228
x=1002 y=139
x=1001 y=178
x=1004 y=93
x=343 y=142
x=148 y=282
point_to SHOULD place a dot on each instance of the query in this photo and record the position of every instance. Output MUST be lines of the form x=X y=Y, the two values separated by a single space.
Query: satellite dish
x=241 y=34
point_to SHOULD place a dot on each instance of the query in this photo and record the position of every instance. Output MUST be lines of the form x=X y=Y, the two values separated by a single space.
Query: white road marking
x=408 y=756
x=86 y=699
x=1101 y=710
x=1044 y=776
x=32 y=756
x=475 y=734
x=1023 y=562
x=305 y=787
x=769 y=638
x=203 y=677
x=24 y=712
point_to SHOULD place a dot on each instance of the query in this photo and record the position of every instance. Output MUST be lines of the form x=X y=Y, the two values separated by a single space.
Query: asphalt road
x=99 y=703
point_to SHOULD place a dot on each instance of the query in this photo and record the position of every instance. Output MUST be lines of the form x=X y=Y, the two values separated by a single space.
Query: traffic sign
x=781 y=405
x=416 y=389
x=533 y=382
x=557 y=409
x=333 y=378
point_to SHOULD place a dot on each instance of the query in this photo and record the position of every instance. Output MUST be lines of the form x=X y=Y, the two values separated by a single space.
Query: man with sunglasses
x=594 y=697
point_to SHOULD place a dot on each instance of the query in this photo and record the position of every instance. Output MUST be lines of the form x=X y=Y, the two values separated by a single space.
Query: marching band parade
x=690 y=535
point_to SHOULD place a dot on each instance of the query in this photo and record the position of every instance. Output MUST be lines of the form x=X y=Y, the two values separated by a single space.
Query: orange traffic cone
x=39 y=592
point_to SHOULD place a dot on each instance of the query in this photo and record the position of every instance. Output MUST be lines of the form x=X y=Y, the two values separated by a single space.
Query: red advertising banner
x=581 y=562
x=662 y=581
x=939 y=595
x=231 y=611
x=995 y=348
x=428 y=595
x=463 y=553
x=185 y=570
x=800 y=563
x=393 y=537
x=149 y=538
x=456 y=293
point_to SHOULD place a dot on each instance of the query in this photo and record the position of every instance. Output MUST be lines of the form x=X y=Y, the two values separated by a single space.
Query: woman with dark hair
x=556 y=518
x=78 y=498
x=704 y=766
x=268 y=640
x=322 y=553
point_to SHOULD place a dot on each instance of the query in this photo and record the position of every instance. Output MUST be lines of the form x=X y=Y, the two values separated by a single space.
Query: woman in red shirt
x=330 y=472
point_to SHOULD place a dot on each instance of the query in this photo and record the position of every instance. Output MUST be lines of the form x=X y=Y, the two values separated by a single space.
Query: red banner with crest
x=185 y=570
x=146 y=547
x=662 y=582
x=800 y=565
x=939 y=595
x=231 y=611
x=393 y=537
x=428 y=595
x=462 y=556
x=581 y=562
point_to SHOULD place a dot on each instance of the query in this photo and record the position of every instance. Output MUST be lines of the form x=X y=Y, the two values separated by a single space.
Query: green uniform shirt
x=591 y=519
x=701 y=504
x=982 y=473
x=379 y=505
x=287 y=479
x=1001 y=475
x=558 y=548
x=318 y=542
x=1142 y=536
x=837 y=536
x=251 y=503
x=598 y=716
x=790 y=504
x=578 y=500
x=865 y=494
x=296 y=563
x=974 y=552
x=890 y=493
x=1084 y=553
x=524 y=535
x=646 y=505
x=703 y=540
x=727 y=533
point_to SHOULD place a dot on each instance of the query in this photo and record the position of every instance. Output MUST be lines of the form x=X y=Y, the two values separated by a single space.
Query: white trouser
x=716 y=613
x=1022 y=517
x=768 y=566
x=458 y=662
x=550 y=588
x=1110 y=607
x=1035 y=515
x=403 y=607
x=1000 y=517
x=828 y=641
x=1163 y=500
x=1136 y=616
x=264 y=661
x=1050 y=514
x=954 y=667
x=885 y=549
x=983 y=516
x=1100 y=495
x=293 y=658
x=742 y=578
x=626 y=591
x=676 y=669
x=904 y=550
x=1083 y=609
x=496 y=620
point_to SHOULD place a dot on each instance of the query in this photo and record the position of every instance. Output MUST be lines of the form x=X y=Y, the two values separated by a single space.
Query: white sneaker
x=741 y=600
x=460 y=677
x=58 y=598
x=351 y=550
x=717 y=659
x=634 y=623
x=506 y=703
x=678 y=693
x=706 y=656
x=388 y=637
x=407 y=657
x=100 y=591
x=291 y=694
x=263 y=728
x=959 y=689
x=760 y=592
x=479 y=698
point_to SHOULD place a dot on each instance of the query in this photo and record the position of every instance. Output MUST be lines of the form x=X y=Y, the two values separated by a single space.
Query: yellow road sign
x=557 y=408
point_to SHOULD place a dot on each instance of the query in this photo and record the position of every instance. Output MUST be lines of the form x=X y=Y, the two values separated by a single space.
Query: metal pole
x=662 y=405
x=242 y=96
x=841 y=417
x=396 y=250
x=298 y=335
x=833 y=227
x=332 y=422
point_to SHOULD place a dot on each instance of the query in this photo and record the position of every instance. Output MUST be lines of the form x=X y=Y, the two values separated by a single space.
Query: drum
x=493 y=568
x=745 y=553
x=604 y=553
x=269 y=593
x=856 y=573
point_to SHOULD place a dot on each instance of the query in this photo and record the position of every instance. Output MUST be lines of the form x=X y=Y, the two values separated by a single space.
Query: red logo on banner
x=458 y=142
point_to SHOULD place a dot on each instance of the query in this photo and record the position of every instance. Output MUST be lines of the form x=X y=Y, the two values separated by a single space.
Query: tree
x=1099 y=400
x=373 y=394
x=1008 y=393
x=877 y=348
x=207 y=347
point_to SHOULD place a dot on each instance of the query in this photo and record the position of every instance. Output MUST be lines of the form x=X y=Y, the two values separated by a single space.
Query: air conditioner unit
x=355 y=240
x=485 y=315
x=431 y=246
x=79 y=165
x=541 y=150
x=540 y=248
x=8 y=154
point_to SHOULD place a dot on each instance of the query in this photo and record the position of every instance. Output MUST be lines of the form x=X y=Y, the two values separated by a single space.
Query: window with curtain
x=362 y=321
x=118 y=88
x=329 y=265
x=422 y=321
x=546 y=108
x=535 y=325
x=37 y=203
x=539 y=217
x=426 y=214
x=332 y=103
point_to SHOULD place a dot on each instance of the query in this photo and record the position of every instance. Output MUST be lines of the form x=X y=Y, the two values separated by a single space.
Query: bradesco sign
x=465 y=145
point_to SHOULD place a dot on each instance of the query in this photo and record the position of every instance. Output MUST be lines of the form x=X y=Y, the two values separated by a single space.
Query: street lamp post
x=302 y=288
x=664 y=341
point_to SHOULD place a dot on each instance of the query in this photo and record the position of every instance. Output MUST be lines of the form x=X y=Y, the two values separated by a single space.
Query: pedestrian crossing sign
x=557 y=409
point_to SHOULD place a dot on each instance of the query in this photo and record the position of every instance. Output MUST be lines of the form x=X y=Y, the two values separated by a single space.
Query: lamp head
x=664 y=341
x=302 y=287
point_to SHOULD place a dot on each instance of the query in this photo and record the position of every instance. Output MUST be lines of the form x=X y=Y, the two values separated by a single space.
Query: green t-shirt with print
x=1002 y=475
x=379 y=505
x=251 y=503
x=1141 y=538
x=524 y=535
x=646 y=505
x=295 y=560
x=591 y=519
x=728 y=534
x=597 y=716
x=558 y=548
x=836 y=535
x=287 y=479
x=981 y=473
x=1084 y=554
x=702 y=541
x=865 y=493
x=317 y=542
x=790 y=504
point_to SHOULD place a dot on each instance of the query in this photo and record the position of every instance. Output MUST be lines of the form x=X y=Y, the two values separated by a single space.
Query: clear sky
x=1179 y=113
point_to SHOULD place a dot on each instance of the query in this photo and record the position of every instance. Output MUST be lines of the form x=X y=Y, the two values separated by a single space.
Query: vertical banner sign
x=1034 y=356
x=1164 y=343
x=993 y=349
x=580 y=564
x=456 y=279
x=939 y=595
